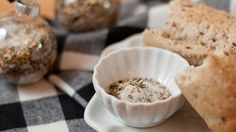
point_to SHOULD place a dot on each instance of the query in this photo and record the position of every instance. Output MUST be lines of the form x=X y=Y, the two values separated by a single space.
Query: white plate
x=185 y=120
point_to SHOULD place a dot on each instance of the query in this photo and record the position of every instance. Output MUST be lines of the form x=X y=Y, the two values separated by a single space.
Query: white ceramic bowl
x=158 y=64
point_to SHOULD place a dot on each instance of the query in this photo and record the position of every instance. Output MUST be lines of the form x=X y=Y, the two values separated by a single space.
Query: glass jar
x=87 y=15
x=27 y=44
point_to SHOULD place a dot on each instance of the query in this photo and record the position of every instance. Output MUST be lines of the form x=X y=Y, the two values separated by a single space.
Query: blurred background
x=47 y=7
x=47 y=10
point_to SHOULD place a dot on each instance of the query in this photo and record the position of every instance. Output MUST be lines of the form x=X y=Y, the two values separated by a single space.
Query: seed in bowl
x=139 y=90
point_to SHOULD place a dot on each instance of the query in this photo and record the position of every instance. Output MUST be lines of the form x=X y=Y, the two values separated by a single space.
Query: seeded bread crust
x=211 y=90
x=193 y=31
x=193 y=53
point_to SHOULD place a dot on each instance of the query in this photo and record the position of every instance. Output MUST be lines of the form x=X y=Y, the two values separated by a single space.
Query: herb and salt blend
x=139 y=90
x=87 y=15
x=27 y=44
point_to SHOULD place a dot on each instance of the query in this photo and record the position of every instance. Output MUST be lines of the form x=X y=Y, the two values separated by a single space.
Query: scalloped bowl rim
x=104 y=93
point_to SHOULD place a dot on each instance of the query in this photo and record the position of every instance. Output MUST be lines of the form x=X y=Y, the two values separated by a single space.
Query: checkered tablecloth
x=41 y=107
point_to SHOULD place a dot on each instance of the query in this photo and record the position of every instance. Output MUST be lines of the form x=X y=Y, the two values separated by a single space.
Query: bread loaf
x=206 y=37
x=193 y=31
x=211 y=90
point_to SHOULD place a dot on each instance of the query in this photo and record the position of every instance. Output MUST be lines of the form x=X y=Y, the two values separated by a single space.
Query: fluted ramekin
x=158 y=64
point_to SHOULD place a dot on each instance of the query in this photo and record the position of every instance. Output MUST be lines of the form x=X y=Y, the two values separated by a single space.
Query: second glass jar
x=87 y=15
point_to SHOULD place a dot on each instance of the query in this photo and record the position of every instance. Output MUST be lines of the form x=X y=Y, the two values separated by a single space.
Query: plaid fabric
x=41 y=106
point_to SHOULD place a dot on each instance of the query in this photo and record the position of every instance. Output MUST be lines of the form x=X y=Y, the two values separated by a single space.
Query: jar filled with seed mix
x=87 y=15
x=27 y=44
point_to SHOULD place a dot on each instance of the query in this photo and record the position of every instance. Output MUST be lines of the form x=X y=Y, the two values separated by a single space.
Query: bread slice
x=211 y=90
x=193 y=31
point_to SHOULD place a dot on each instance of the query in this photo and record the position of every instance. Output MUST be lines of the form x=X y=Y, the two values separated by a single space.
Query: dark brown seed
x=203 y=44
x=188 y=47
x=166 y=35
x=213 y=39
x=223 y=119
x=234 y=44
x=226 y=53
x=174 y=24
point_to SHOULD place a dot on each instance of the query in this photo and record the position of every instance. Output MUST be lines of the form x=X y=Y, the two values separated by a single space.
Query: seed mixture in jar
x=87 y=15
x=138 y=90
x=27 y=50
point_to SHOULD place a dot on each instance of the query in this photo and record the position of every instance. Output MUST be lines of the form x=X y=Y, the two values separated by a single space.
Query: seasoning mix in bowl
x=137 y=85
x=27 y=44
x=87 y=15
x=137 y=90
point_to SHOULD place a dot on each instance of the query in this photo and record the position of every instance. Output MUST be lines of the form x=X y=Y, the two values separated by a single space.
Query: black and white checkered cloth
x=40 y=107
